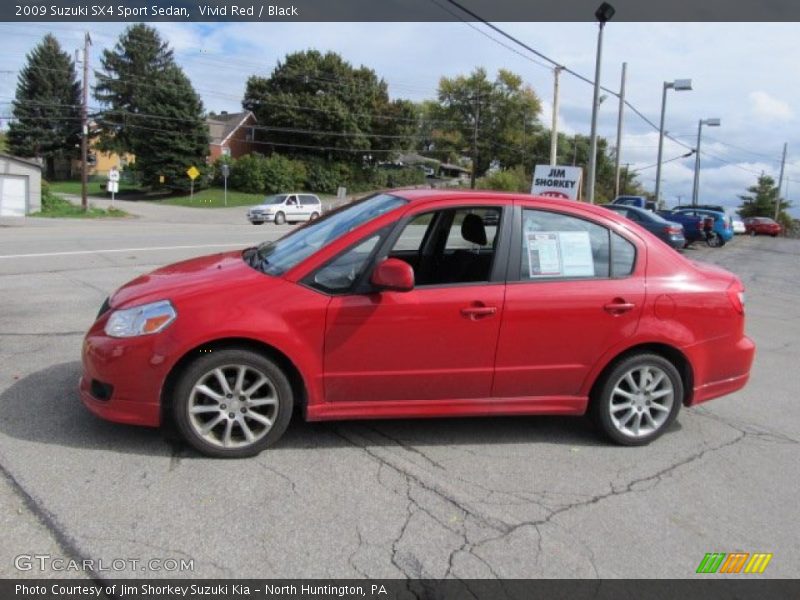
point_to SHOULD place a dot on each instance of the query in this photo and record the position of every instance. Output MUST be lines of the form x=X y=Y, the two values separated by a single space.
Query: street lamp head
x=604 y=13
x=712 y=122
x=681 y=85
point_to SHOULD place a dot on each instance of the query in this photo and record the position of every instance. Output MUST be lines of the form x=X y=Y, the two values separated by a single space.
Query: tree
x=319 y=105
x=46 y=107
x=491 y=121
x=760 y=202
x=153 y=110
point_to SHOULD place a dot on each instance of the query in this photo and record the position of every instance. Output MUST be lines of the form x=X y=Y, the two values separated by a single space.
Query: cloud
x=767 y=108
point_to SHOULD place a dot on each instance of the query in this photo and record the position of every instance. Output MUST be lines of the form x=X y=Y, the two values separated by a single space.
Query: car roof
x=419 y=196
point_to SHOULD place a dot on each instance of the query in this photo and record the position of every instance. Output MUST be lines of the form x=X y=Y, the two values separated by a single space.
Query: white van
x=286 y=208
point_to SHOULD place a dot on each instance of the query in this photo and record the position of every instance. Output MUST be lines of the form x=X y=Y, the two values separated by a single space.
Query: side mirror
x=393 y=274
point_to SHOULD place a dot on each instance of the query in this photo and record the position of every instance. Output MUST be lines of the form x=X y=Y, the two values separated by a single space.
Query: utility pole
x=554 y=128
x=619 y=129
x=85 y=125
x=475 y=141
x=780 y=183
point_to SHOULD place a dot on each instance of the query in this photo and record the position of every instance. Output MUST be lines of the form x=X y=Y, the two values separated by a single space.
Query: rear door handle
x=478 y=312
x=619 y=306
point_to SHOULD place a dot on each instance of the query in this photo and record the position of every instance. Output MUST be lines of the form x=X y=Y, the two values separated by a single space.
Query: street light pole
x=603 y=14
x=696 y=185
x=679 y=85
x=618 y=153
x=554 y=128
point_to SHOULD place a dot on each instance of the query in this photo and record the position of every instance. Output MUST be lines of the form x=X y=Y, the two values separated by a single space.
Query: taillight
x=736 y=296
x=673 y=230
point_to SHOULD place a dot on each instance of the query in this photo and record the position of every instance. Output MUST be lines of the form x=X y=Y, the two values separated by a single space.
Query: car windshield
x=277 y=199
x=275 y=258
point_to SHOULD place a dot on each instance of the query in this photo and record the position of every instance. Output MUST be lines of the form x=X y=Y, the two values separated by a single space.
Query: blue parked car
x=668 y=231
x=722 y=225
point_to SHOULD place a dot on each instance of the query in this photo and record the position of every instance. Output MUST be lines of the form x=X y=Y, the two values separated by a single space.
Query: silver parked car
x=286 y=208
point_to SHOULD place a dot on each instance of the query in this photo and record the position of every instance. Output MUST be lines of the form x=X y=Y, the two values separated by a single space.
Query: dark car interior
x=456 y=245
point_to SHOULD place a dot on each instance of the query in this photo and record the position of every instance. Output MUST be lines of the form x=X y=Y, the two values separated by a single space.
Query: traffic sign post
x=226 y=170
x=113 y=183
x=193 y=174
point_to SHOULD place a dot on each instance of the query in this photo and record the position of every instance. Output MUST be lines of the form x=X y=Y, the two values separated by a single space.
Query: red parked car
x=422 y=304
x=762 y=226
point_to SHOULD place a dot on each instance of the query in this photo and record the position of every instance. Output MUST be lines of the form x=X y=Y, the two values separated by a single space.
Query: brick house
x=230 y=134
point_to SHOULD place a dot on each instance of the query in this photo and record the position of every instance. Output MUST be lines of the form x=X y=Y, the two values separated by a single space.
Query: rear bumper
x=736 y=361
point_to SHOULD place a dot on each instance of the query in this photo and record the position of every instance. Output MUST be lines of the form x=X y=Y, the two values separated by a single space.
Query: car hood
x=188 y=277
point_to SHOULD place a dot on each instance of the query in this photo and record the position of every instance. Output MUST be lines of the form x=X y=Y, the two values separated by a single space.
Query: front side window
x=450 y=246
x=341 y=273
x=560 y=246
x=275 y=258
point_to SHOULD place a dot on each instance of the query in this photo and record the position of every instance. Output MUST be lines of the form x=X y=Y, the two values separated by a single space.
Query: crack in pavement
x=501 y=527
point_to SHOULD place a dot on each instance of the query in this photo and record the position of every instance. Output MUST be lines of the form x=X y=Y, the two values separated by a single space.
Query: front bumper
x=134 y=371
x=260 y=218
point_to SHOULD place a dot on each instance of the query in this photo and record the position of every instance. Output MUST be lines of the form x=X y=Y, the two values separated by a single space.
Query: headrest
x=473 y=230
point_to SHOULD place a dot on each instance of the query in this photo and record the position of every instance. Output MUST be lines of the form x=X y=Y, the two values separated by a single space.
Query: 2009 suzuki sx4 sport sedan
x=422 y=304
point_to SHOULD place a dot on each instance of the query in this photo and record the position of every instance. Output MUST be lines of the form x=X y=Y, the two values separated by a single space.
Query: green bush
x=326 y=176
x=258 y=174
x=247 y=174
x=282 y=174
x=510 y=180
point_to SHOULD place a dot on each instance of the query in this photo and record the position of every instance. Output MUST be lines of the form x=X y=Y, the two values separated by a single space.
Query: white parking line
x=107 y=251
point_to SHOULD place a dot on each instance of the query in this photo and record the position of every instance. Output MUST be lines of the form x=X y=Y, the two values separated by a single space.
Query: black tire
x=280 y=218
x=313 y=216
x=774 y=234
x=607 y=390
x=257 y=222
x=714 y=241
x=752 y=233
x=274 y=403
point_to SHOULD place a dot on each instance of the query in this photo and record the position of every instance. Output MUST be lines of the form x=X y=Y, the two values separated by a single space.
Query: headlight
x=140 y=320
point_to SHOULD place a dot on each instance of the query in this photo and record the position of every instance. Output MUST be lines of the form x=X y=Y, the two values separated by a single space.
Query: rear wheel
x=232 y=403
x=638 y=399
x=314 y=215
x=714 y=240
x=280 y=219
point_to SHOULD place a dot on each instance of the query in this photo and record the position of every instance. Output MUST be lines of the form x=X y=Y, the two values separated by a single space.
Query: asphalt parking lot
x=504 y=497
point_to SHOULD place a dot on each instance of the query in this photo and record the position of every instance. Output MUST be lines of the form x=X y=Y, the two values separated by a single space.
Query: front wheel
x=232 y=403
x=714 y=240
x=280 y=219
x=638 y=399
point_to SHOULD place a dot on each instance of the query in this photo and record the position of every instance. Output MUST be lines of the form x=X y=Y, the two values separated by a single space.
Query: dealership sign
x=556 y=181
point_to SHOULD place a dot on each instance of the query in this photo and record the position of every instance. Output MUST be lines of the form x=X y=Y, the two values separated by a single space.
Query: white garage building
x=20 y=186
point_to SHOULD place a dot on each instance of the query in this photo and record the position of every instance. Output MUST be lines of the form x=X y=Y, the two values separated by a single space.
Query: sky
x=746 y=74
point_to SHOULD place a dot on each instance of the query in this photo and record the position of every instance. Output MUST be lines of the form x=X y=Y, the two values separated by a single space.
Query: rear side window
x=623 y=256
x=559 y=246
x=306 y=199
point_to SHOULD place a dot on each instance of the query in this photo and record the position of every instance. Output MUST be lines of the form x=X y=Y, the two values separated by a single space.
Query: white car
x=285 y=208
x=738 y=225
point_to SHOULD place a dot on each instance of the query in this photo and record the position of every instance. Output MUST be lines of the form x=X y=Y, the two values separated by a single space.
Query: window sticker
x=560 y=254
x=544 y=256
x=576 y=248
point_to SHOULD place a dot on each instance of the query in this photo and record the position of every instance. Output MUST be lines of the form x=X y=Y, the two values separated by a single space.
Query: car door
x=575 y=290
x=294 y=210
x=437 y=341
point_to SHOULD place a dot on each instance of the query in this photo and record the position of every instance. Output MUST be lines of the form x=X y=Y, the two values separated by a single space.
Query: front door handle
x=619 y=306
x=478 y=312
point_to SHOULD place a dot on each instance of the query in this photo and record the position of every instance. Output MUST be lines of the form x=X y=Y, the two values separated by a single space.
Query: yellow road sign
x=193 y=173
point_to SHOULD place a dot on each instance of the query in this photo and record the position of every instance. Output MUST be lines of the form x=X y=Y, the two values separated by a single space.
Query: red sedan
x=762 y=226
x=422 y=304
